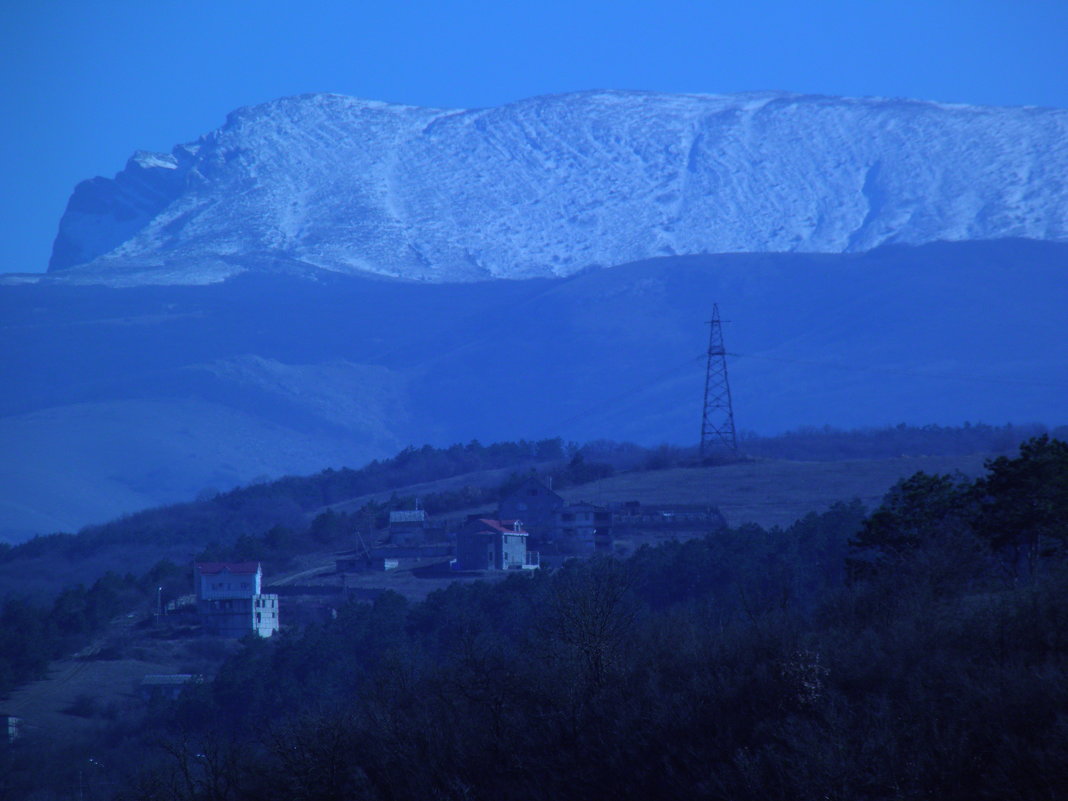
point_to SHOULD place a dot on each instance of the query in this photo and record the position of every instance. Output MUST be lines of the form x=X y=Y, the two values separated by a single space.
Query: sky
x=85 y=84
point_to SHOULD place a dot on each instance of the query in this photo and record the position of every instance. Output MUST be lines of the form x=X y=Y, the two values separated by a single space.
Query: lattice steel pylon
x=717 y=418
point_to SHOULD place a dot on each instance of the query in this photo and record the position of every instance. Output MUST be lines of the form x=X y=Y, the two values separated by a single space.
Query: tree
x=1023 y=502
x=590 y=613
x=913 y=511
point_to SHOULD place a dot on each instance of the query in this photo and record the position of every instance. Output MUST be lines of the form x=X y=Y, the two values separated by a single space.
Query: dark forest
x=919 y=651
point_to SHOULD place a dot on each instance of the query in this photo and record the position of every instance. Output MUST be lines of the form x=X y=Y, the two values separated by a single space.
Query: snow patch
x=552 y=185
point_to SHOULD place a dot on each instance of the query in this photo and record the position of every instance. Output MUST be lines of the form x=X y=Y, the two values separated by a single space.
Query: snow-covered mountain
x=551 y=185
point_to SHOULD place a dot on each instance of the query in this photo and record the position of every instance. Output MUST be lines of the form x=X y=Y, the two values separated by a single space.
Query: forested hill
x=916 y=652
x=279 y=518
x=57 y=590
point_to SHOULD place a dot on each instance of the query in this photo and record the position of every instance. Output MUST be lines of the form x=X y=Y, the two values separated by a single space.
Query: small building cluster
x=230 y=600
x=561 y=529
x=533 y=525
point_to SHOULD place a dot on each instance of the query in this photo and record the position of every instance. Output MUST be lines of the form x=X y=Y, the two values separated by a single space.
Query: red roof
x=209 y=568
x=506 y=526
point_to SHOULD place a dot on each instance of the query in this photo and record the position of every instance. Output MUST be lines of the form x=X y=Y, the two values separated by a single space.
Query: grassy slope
x=771 y=492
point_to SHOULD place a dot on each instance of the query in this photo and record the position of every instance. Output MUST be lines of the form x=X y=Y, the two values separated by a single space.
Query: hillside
x=767 y=492
x=914 y=652
x=771 y=492
x=551 y=185
x=122 y=399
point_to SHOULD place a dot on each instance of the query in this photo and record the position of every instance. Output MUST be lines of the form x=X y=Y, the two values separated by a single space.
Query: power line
x=618 y=398
x=635 y=390
x=902 y=372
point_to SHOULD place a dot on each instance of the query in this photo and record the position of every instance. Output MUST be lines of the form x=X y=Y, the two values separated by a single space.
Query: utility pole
x=717 y=418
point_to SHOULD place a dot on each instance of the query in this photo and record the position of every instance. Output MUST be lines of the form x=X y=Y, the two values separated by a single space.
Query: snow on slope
x=551 y=185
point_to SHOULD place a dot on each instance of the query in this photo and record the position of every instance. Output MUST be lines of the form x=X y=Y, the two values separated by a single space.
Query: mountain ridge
x=554 y=184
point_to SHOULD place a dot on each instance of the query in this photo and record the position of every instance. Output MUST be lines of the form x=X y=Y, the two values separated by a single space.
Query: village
x=413 y=553
x=408 y=551
x=220 y=601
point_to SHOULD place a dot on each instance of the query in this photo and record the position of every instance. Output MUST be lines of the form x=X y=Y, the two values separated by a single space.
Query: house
x=10 y=727
x=407 y=527
x=534 y=503
x=486 y=544
x=230 y=601
x=166 y=685
x=582 y=528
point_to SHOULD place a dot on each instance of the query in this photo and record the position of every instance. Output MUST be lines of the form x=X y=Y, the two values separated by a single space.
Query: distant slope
x=551 y=185
x=116 y=399
x=767 y=492
x=771 y=492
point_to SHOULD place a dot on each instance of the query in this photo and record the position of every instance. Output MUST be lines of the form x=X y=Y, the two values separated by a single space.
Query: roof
x=534 y=481
x=504 y=526
x=210 y=568
x=414 y=516
x=170 y=679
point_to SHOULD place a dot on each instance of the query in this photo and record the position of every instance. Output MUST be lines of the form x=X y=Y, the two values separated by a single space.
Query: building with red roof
x=488 y=544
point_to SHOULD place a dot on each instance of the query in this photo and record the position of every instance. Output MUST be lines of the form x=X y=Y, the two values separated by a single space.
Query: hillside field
x=771 y=492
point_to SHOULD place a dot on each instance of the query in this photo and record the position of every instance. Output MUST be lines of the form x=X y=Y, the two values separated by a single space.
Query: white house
x=485 y=544
x=230 y=601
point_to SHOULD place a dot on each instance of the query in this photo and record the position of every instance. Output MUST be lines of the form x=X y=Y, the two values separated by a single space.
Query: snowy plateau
x=549 y=186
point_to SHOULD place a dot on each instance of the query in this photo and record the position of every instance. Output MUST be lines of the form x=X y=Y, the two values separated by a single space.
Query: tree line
x=919 y=651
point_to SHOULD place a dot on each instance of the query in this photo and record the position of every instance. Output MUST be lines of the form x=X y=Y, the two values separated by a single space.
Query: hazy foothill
x=907 y=267
x=350 y=453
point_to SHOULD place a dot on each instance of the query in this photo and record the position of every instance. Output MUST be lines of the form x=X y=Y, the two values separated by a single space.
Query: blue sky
x=84 y=84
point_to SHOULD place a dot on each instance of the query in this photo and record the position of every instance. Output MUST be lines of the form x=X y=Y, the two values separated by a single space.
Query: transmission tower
x=717 y=419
